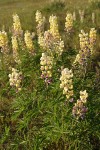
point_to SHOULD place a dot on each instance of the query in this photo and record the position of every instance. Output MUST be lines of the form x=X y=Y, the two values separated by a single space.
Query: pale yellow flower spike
x=92 y=39
x=54 y=27
x=17 y=29
x=15 y=49
x=46 y=65
x=67 y=83
x=15 y=79
x=69 y=23
x=29 y=42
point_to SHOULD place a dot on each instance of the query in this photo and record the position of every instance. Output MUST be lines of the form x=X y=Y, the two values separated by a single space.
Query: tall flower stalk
x=92 y=39
x=17 y=28
x=40 y=23
x=46 y=62
x=84 y=53
x=29 y=42
x=69 y=23
x=79 y=110
x=67 y=83
x=4 y=47
x=15 y=49
x=15 y=79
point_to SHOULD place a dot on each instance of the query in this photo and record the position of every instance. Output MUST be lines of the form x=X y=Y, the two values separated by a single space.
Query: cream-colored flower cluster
x=47 y=42
x=67 y=82
x=54 y=27
x=29 y=42
x=41 y=41
x=50 y=44
x=38 y=16
x=41 y=21
x=87 y=45
x=69 y=23
x=4 y=41
x=46 y=65
x=84 y=40
x=50 y=41
x=83 y=96
x=79 y=109
x=84 y=51
x=17 y=29
x=15 y=49
x=59 y=47
x=15 y=79
x=56 y=44
x=53 y=45
x=92 y=39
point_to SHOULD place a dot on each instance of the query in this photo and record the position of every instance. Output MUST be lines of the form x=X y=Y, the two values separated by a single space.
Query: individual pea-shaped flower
x=29 y=42
x=15 y=79
x=15 y=49
x=67 y=82
x=46 y=67
x=79 y=110
x=69 y=23
x=17 y=29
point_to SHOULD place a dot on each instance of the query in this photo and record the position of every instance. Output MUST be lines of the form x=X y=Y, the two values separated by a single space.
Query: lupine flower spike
x=15 y=49
x=79 y=109
x=29 y=42
x=92 y=39
x=4 y=42
x=15 y=79
x=69 y=23
x=67 y=83
x=54 y=27
x=84 y=52
x=17 y=29
x=40 y=23
x=51 y=42
x=46 y=67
